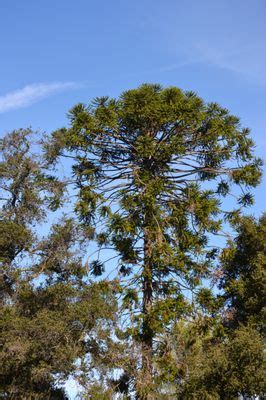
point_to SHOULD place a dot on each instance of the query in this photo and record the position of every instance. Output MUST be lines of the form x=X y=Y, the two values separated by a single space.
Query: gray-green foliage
x=50 y=312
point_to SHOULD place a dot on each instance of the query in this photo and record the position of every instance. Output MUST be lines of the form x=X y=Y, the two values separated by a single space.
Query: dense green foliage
x=123 y=285
x=243 y=268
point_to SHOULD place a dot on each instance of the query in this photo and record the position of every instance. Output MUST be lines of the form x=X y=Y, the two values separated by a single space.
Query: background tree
x=243 y=274
x=151 y=168
x=50 y=313
x=198 y=361
x=219 y=354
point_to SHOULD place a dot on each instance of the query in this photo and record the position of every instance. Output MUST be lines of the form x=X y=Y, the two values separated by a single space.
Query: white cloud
x=246 y=61
x=31 y=94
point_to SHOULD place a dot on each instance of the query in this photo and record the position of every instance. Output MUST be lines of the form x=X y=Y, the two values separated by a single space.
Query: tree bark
x=147 y=331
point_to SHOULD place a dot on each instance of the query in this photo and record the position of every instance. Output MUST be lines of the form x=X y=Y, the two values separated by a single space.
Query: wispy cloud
x=245 y=61
x=31 y=94
x=165 y=68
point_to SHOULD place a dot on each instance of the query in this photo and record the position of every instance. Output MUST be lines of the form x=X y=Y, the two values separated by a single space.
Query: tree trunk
x=147 y=331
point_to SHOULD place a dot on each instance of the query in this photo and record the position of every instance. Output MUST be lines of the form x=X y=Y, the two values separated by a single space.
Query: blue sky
x=57 y=53
x=64 y=52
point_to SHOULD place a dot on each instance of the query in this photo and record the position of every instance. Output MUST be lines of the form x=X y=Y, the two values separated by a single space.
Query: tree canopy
x=152 y=168
x=49 y=312
x=130 y=292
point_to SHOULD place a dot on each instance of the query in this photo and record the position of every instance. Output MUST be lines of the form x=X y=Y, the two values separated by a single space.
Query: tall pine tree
x=151 y=168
